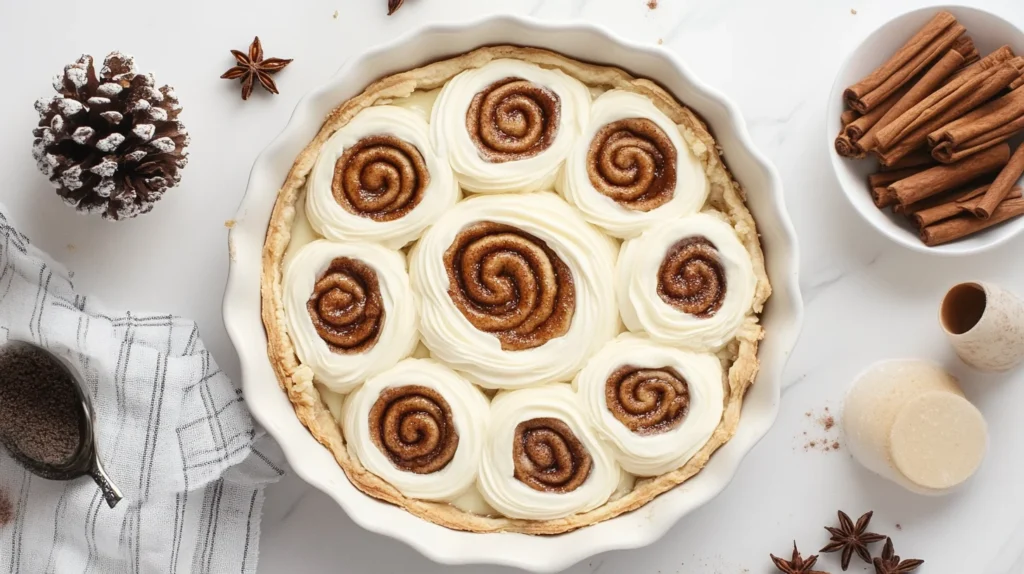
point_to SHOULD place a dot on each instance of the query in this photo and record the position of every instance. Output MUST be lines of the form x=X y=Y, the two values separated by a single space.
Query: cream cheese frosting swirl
x=688 y=282
x=351 y=311
x=542 y=460
x=508 y=125
x=419 y=426
x=656 y=405
x=516 y=290
x=378 y=179
x=631 y=167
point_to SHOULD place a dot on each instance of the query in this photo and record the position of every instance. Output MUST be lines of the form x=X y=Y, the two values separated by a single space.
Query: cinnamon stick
x=950 y=96
x=1002 y=185
x=879 y=183
x=970 y=205
x=997 y=80
x=932 y=79
x=847 y=117
x=989 y=125
x=883 y=197
x=965 y=225
x=914 y=159
x=856 y=129
x=927 y=45
x=941 y=178
x=950 y=197
x=847 y=147
x=1001 y=54
x=952 y=206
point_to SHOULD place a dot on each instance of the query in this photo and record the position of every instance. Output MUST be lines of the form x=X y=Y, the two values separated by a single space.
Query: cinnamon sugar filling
x=633 y=162
x=691 y=278
x=513 y=119
x=412 y=425
x=647 y=401
x=511 y=284
x=549 y=457
x=346 y=306
x=381 y=177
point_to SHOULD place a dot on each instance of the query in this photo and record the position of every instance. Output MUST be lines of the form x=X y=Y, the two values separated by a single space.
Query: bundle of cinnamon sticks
x=937 y=117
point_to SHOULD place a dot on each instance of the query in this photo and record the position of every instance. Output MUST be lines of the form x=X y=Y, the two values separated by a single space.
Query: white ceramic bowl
x=988 y=32
x=782 y=317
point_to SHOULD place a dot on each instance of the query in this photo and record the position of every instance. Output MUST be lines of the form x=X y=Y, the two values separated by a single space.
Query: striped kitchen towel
x=173 y=433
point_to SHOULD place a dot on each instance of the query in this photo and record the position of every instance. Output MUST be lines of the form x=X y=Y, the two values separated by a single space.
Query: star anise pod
x=889 y=563
x=253 y=68
x=394 y=5
x=797 y=565
x=850 y=538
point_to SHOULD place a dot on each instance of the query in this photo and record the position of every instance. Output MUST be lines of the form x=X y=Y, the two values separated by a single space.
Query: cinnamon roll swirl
x=656 y=405
x=350 y=309
x=516 y=290
x=631 y=167
x=378 y=179
x=688 y=282
x=542 y=460
x=419 y=426
x=507 y=126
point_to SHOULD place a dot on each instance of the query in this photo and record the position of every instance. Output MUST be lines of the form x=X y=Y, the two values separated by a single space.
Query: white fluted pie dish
x=781 y=318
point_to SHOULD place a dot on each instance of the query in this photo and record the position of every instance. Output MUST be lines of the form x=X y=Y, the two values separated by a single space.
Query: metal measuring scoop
x=86 y=460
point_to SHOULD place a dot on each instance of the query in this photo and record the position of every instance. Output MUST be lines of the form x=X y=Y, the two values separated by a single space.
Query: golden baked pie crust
x=297 y=380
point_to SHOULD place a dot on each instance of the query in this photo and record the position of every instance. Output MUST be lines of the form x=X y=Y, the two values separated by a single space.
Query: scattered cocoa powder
x=652 y=4
x=899 y=526
x=6 y=509
x=835 y=445
x=828 y=422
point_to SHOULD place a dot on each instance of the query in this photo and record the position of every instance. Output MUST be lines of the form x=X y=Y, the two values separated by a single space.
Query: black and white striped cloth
x=173 y=432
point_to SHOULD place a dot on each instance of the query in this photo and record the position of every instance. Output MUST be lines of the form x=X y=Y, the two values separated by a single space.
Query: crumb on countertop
x=335 y=14
x=660 y=41
x=229 y=223
x=853 y=11
x=652 y=4
x=6 y=509
x=71 y=247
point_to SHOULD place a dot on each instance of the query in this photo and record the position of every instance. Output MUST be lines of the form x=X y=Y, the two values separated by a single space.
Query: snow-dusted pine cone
x=111 y=144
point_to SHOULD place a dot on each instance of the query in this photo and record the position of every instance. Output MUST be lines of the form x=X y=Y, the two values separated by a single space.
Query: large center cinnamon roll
x=346 y=307
x=515 y=290
x=513 y=119
x=350 y=309
x=549 y=457
x=633 y=161
x=691 y=278
x=688 y=282
x=412 y=425
x=381 y=177
x=647 y=400
x=511 y=284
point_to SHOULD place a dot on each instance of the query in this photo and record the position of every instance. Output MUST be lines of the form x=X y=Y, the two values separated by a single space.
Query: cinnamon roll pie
x=631 y=167
x=588 y=313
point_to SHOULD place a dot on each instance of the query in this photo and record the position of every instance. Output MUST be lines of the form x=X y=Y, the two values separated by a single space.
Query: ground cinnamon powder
x=40 y=412
x=6 y=509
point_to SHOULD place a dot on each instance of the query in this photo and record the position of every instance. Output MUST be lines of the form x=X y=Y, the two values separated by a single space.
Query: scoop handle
x=110 y=491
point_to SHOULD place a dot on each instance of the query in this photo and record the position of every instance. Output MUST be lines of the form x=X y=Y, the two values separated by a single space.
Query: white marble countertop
x=867 y=299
